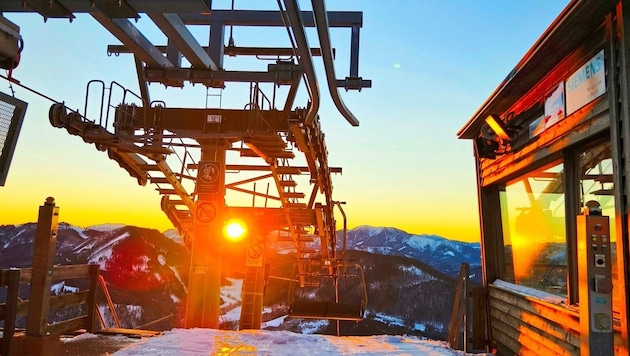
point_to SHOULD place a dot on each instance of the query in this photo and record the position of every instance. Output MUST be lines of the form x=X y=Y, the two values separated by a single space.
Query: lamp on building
x=495 y=127
x=495 y=138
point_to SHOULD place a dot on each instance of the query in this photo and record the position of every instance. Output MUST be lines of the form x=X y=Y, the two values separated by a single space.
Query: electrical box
x=9 y=44
x=595 y=283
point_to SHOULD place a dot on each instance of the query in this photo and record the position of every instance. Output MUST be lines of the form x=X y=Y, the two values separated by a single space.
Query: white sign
x=536 y=127
x=554 y=106
x=213 y=119
x=586 y=83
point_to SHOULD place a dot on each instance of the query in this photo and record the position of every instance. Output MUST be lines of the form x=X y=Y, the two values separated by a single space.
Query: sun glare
x=235 y=230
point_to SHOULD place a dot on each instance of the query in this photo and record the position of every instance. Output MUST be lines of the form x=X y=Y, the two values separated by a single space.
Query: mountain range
x=410 y=279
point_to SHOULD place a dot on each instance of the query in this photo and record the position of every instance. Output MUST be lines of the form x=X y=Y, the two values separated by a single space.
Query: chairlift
x=321 y=276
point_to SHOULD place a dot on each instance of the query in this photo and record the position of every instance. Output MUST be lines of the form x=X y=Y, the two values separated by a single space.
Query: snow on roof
x=188 y=342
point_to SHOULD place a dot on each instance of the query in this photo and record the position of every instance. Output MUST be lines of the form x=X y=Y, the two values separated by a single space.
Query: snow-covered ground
x=189 y=342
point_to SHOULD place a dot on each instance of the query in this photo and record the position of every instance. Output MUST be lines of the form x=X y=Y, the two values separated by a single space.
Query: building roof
x=568 y=30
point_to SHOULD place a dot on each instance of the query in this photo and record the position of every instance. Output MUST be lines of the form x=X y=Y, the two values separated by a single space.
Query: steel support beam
x=306 y=61
x=133 y=39
x=177 y=33
x=141 y=6
x=230 y=51
x=216 y=44
x=206 y=76
x=321 y=21
x=269 y=18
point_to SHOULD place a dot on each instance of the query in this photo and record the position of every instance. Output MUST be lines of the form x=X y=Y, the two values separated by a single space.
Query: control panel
x=595 y=283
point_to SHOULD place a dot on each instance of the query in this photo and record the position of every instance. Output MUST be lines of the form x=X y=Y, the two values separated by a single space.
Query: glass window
x=533 y=217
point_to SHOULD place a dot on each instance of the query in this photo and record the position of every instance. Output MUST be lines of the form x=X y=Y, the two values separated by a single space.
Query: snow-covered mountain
x=410 y=282
x=144 y=270
x=436 y=251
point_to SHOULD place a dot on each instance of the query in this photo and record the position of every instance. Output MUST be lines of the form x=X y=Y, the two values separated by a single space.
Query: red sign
x=205 y=212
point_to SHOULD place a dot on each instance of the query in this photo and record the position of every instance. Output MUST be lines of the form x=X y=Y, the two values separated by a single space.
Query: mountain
x=145 y=271
x=410 y=282
x=436 y=251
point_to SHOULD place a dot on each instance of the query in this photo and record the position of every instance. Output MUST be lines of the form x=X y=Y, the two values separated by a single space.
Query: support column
x=253 y=284
x=204 y=284
x=43 y=260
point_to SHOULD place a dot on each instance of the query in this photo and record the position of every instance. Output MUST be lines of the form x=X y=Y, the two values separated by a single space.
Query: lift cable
x=17 y=82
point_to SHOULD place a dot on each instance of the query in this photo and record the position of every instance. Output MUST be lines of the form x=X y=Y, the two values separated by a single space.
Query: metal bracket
x=354 y=83
x=286 y=72
x=49 y=9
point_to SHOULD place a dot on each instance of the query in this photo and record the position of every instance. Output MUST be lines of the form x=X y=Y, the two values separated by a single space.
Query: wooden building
x=553 y=138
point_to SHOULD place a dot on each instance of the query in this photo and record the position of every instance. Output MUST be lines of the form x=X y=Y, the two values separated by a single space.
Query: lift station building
x=552 y=152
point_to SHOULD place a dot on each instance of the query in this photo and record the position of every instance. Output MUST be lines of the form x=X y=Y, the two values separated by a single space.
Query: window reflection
x=533 y=217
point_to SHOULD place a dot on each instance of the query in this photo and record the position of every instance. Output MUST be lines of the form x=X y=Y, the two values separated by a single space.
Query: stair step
x=165 y=191
x=295 y=205
x=288 y=170
x=293 y=194
x=287 y=183
x=158 y=180
x=148 y=167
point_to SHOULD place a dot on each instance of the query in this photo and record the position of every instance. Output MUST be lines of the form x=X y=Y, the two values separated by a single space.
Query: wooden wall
x=522 y=325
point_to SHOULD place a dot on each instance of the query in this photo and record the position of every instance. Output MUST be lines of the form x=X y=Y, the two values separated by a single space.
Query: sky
x=432 y=65
x=194 y=342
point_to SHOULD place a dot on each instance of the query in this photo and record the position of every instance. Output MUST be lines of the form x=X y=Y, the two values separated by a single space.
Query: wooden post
x=43 y=260
x=95 y=271
x=459 y=313
x=13 y=290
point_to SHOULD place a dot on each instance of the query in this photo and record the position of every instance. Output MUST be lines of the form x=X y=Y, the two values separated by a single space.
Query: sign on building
x=586 y=84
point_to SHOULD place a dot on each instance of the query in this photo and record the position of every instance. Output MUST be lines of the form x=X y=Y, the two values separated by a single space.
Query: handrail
x=305 y=58
x=321 y=22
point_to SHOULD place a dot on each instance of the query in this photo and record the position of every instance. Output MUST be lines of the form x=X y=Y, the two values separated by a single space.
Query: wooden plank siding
x=523 y=325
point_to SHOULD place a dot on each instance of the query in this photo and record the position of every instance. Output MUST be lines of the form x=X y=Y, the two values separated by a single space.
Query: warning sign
x=205 y=212
x=254 y=256
x=209 y=177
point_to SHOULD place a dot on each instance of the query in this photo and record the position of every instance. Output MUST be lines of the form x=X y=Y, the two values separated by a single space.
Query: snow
x=62 y=288
x=419 y=327
x=189 y=342
x=412 y=269
x=531 y=292
x=274 y=323
x=104 y=253
x=388 y=319
x=80 y=232
x=313 y=326
x=421 y=242
x=161 y=260
x=175 y=299
x=105 y=227
x=232 y=315
x=174 y=235
x=80 y=337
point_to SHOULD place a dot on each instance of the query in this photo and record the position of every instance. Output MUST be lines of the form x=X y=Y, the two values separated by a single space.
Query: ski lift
x=324 y=276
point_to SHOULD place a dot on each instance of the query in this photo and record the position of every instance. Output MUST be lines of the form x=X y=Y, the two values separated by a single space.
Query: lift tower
x=182 y=151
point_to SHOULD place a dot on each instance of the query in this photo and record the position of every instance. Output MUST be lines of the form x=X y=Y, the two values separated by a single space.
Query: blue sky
x=432 y=64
